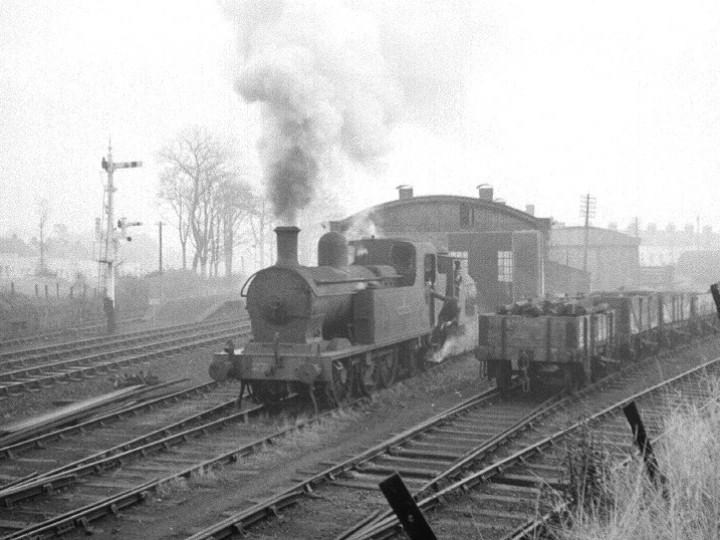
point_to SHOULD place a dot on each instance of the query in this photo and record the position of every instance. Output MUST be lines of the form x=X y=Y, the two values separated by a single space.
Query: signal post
x=111 y=237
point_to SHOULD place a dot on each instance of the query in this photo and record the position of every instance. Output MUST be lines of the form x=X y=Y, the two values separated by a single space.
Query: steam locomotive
x=339 y=329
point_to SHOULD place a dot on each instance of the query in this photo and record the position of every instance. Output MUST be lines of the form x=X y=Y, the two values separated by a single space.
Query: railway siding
x=34 y=378
x=336 y=502
x=503 y=499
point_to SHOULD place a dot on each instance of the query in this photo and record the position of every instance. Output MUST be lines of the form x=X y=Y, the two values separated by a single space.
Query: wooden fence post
x=406 y=509
x=643 y=443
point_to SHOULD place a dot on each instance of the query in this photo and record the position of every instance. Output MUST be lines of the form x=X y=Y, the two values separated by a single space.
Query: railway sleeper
x=433 y=455
x=410 y=472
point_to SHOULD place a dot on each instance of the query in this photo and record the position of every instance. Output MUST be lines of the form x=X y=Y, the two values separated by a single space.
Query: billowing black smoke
x=317 y=71
x=332 y=75
x=292 y=179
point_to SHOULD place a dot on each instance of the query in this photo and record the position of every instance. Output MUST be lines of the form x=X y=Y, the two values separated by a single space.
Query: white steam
x=362 y=227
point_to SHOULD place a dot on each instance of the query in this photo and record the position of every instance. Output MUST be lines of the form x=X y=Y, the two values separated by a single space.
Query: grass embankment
x=623 y=504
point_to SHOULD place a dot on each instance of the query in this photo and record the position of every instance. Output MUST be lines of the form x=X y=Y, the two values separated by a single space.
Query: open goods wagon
x=645 y=321
x=557 y=349
x=605 y=330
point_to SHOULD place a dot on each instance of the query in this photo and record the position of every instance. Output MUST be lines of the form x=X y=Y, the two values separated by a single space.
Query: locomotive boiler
x=340 y=329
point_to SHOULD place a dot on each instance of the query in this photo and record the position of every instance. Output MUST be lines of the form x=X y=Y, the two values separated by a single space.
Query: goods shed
x=506 y=248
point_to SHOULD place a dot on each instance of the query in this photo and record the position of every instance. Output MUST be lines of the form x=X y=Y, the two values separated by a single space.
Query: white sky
x=620 y=99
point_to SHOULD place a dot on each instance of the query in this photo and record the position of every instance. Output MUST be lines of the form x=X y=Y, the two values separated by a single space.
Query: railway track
x=10 y=359
x=69 y=362
x=337 y=491
x=68 y=333
x=504 y=499
x=63 y=457
x=516 y=492
x=94 y=482
x=420 y=454
x=37 y=496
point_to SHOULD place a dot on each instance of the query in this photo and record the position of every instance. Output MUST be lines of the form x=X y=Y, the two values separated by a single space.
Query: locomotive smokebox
x=333 y=250
x=287 y=246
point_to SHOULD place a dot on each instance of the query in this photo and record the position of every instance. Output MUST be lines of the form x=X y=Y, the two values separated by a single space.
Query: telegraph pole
x=111 y=240
x=587 y=210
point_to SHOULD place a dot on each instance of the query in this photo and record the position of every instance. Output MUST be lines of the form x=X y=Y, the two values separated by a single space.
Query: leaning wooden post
x=406 y=509
x=716 y=296
x=643 y=443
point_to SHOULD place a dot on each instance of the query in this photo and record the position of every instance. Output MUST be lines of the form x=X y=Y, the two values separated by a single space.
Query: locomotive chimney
x=287 y=246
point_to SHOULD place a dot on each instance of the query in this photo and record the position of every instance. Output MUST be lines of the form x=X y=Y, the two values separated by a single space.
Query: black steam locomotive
x=342 y=329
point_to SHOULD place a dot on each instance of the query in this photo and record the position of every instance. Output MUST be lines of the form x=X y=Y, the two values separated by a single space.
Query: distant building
x=661 y=248
x=612 y=257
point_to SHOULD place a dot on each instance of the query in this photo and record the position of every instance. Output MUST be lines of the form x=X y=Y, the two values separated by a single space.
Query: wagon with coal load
x=552 y=345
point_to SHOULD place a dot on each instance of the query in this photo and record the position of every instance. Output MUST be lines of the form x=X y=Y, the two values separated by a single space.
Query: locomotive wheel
x=387 y=368
x=417 y=363
x=340 y=389
x=369 y=379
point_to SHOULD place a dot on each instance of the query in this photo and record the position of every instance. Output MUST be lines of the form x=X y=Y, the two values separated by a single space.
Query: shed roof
x=491 y=206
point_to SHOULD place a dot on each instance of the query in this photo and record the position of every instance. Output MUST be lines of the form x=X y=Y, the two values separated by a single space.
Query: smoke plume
x=334 y=77
x=325 y=91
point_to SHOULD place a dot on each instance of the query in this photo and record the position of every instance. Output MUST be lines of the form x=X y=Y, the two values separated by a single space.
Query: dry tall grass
x=633 y=508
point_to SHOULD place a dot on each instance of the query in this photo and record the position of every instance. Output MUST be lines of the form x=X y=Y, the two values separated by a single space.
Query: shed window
x=505 y=266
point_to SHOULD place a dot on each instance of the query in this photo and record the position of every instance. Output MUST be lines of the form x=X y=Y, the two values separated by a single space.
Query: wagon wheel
x=573 y=378
x=503 y=376
x=387 y=368
x=268 y=391
x=340 y=389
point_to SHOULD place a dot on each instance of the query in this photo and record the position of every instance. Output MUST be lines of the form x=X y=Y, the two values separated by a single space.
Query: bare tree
x=195 y=163
x=174 y=191
x=199 y=182
x=261 y=222
x=237 y=205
